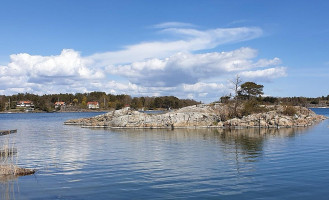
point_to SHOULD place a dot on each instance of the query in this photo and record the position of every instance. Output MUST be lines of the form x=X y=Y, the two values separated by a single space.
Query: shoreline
x=195 y=127
x=105 y=111
x=100 y=111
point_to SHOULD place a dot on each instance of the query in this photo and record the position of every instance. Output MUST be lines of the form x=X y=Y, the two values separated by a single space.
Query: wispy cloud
x=190 y=40
x=173 y=24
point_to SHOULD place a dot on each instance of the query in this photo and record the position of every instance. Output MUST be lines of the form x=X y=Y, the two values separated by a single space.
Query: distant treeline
x=110 y=101
x=293 y=101
x=300 y=101
x=106 y=101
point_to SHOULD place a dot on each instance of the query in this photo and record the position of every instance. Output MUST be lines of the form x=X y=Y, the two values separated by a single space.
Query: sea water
x=84 y=163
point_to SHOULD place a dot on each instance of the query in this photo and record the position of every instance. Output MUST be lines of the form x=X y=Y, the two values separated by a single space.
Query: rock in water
x=15 y=170
x=199 y=116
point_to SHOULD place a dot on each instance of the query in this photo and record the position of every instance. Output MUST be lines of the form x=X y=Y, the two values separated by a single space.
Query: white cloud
x=182 y=74
x=68 y=64
x=266 y=63
x=149 y=68
x=203 y=94
x=190 y=40
x=122 y=88
x=173 y=24
x=204 y=91
x=187 y=68
x=48 y=74
x=265 y=75
x=202 y=87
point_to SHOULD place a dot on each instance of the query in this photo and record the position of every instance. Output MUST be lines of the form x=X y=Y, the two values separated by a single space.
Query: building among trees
x=93 y=105
x=59 y=104
x=25 y=104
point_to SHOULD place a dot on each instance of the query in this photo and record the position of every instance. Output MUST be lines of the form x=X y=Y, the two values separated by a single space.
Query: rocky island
x=203 y=116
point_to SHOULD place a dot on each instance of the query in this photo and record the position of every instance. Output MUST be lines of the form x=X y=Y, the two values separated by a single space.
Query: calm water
x=79 y=163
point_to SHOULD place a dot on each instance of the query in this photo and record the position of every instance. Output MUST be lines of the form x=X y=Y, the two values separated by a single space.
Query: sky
x=187 y=48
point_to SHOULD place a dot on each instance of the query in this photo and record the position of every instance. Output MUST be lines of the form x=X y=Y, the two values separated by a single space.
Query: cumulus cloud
x=265 y=75
x=202 y=87
x=188 y=68
x=151 y=68
x=68 y=64
x=203 y=90
x=30 y=72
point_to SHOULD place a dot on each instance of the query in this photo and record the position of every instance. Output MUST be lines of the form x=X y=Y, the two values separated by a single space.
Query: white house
x=25 y=104
x=93 y=105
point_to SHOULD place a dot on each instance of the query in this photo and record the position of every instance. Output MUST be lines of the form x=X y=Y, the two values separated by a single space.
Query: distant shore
x=40 y=111
x=91 y=110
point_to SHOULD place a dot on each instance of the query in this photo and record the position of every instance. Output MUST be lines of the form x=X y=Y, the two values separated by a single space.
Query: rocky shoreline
x=200 y=116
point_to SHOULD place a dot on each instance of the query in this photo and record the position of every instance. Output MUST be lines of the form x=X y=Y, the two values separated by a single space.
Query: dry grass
x=9 y=170
x=8 y=162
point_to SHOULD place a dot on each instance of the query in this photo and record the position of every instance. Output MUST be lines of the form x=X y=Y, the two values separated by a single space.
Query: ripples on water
x=78 y=163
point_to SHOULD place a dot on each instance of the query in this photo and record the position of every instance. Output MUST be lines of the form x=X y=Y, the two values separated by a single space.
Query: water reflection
x=8 y=157
x=82 y=163
x=8 y=187
x=245 y=143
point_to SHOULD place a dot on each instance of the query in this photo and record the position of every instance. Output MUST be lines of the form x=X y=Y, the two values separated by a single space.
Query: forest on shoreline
x=247 y=95
x=78 y=101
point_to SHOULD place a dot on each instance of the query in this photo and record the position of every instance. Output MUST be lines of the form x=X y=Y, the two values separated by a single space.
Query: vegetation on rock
x=251 y=89
x=289 y=110
x=211 y=115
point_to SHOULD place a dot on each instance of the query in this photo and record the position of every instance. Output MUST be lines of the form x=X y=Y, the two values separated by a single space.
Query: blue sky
x=190 y=49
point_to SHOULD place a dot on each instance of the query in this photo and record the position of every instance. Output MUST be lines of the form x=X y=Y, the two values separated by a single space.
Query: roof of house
x=92 y=102
x=59 y=103
x=25 y=102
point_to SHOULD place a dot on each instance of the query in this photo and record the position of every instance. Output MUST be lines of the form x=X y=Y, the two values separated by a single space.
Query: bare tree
x=236 y=88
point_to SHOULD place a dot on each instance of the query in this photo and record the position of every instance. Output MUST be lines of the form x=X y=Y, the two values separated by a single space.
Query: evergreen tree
x=251 y=89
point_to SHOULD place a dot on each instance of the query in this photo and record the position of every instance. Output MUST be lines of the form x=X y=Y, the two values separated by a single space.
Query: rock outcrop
x=14 y=170
x=199 y=116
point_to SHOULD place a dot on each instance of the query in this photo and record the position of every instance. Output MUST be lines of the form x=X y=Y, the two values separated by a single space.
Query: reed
x=8 y=161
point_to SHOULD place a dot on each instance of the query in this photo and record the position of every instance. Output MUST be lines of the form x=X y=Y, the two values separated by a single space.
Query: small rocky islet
x=201 y=116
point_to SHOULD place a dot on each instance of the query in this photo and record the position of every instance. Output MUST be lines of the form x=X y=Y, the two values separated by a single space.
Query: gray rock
x=198 y=116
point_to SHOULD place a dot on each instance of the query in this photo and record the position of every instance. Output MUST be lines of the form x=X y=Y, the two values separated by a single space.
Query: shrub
x=270 y=100
x=252 y=106
x=315 y=101
x=289 y=110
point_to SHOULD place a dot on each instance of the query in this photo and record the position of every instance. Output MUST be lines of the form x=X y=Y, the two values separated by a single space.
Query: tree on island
x=243 y=99
x=251 y=89
x=237 y=89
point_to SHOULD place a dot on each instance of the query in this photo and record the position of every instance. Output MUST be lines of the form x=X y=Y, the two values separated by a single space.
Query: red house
x=59 y=104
